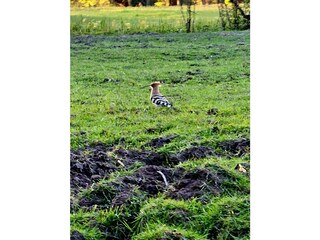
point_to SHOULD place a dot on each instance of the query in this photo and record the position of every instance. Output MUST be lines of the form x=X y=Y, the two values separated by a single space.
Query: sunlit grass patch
x=115 y=20
x=206 y=77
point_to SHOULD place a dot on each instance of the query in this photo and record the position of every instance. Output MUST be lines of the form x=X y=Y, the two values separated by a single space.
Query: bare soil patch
x=237 y=147
x=160 y=142
x=93 y=163
x=195 y=184
x=90 y=165
x=75 y=235
x=195 y=152
x=147 y=181
x=129 y=157
x=157 y=175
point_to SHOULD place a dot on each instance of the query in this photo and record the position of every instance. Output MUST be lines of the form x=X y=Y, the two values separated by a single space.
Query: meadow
x=116 y=20
x=141 y=172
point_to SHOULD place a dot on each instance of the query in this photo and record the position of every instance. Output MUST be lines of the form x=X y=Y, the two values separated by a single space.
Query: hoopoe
x=156 y=97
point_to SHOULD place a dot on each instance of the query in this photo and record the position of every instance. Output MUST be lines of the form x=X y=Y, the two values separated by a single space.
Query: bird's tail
x=174 y=108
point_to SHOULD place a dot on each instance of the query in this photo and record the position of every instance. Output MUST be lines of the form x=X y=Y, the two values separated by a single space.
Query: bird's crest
x=154 y=84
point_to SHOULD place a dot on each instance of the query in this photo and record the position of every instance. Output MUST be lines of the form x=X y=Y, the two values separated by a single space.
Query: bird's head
x=155 y=84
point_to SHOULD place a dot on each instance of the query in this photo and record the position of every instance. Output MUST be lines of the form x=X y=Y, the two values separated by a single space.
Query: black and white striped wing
x=160 y=101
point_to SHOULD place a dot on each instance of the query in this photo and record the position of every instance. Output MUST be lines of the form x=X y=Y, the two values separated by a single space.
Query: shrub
x=234 y=15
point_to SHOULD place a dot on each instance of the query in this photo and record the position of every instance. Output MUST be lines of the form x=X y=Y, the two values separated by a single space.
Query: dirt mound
x=195 y=184
x=157 y=175
x=195 y=152
x=89 y=165
x=93 y=163
x=75 y=235
x=146 y=180
x=122 y=197
x=150 y=179
x=159 y=142
x=176 y=183
x=128 y=157
x=237 y=147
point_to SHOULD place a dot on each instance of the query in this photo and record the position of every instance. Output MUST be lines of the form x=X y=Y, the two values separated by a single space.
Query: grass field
x=115 y=20
x=120 y=141
x=141 y=172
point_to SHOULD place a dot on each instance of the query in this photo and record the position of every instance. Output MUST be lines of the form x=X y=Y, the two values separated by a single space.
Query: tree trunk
x=188 y=23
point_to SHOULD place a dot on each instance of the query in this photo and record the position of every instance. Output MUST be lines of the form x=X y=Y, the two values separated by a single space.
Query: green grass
x=220 y=218
x=115 y=20
x=119 y=111
x=110 y=104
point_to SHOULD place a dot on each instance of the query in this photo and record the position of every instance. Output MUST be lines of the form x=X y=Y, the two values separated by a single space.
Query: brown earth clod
x=160 y=142
x=156 y=175
x=75 y=235
x=195 y=152
x=146 y=181
x=89 y=165
x=94 y=162
x=237 y=147
x=129 y=157
x=194 y=184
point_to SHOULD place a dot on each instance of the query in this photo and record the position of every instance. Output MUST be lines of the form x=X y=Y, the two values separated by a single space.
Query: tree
x=190 y=14
x=234 y=14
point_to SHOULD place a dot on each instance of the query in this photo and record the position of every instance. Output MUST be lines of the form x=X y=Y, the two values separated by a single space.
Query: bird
x=156 y=97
